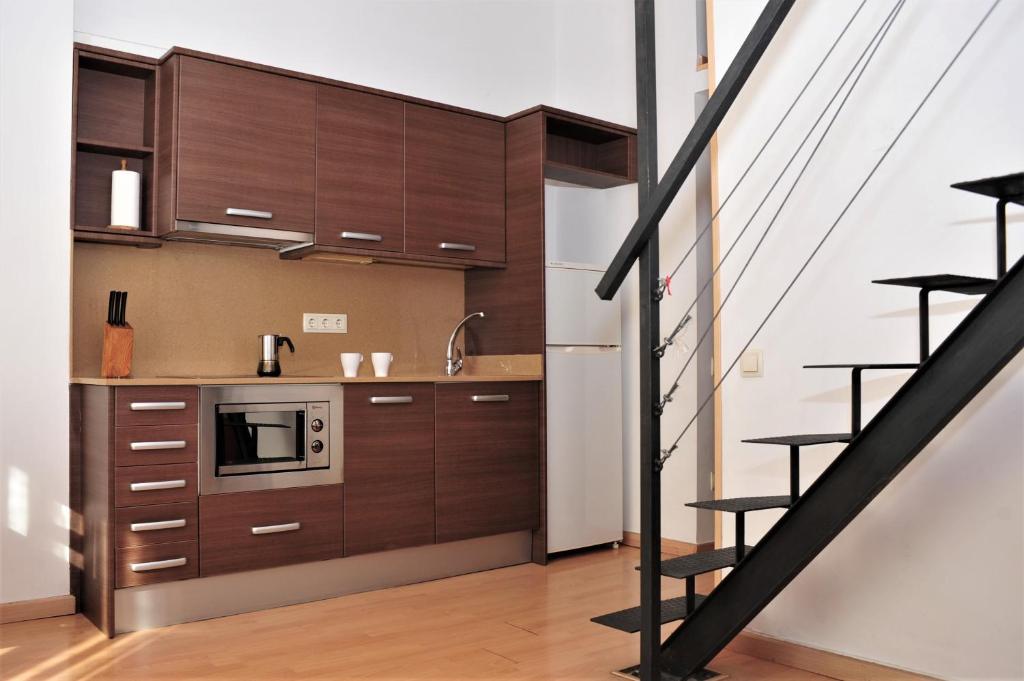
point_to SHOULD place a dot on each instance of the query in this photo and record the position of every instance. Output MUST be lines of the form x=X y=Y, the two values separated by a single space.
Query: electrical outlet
x=318 y=322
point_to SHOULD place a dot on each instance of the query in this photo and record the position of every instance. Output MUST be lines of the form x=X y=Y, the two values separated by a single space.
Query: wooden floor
x=524 y=622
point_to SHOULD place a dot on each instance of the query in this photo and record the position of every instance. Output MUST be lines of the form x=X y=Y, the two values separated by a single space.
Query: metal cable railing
x=862 y=62
x=667 y=452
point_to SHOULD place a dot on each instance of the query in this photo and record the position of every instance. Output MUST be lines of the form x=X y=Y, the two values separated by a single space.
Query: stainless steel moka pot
x=270 y=363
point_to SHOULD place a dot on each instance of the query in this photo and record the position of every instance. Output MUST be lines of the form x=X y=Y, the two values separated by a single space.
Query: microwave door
x=260 y=438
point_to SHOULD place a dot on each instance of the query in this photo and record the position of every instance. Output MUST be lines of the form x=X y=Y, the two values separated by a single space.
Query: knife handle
x=110 y=308
x=124 y=308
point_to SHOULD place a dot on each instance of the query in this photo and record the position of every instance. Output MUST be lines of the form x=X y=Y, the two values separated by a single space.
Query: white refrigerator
x=584 y=410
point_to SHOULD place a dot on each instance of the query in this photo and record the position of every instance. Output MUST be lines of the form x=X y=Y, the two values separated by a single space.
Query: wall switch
x=752 y=364
x=318 y=322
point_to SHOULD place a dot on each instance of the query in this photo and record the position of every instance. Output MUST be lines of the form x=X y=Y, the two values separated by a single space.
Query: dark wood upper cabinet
x=487 y=454
x=454 y=185
x=360 y=145
x=389 y=466
x=245 y=146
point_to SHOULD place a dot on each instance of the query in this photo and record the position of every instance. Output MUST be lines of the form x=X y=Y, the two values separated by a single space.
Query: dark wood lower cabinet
x=487 y=454
x=140 y=565
x=389 y=466
x=254 y=530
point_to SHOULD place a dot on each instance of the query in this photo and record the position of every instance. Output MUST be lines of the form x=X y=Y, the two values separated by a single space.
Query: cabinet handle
x=156 y=406
x=490 y=398
x=246 y=213
x=158 y=525
x=150 y=486
x=395 y=399
x=449 y=246
x=274 y=529
x=161 y=444
x=158 y=564
x=362 y=236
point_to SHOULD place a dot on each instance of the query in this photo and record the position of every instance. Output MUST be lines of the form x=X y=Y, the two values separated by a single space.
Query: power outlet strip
x=316 y=322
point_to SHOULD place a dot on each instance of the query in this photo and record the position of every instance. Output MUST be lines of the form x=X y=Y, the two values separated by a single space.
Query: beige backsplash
x=197 y=310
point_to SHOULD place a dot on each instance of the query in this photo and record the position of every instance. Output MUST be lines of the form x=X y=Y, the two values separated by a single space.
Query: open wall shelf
x=114 y=119
x=587 y=154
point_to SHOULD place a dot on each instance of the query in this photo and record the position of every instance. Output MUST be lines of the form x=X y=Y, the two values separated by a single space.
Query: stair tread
x=699 y=563
x=743 y=504
x=802 y=440
x=1009 y=187
x=865 y=365
x=628 y=620
x=953 y=283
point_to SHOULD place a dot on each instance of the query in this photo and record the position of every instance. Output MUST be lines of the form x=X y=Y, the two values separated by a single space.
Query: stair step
x=876 y=365
x=953 y=283
x=1009 y=187
x=628 y=620
x=803 y=440
x=743 y=504
x=699 y=563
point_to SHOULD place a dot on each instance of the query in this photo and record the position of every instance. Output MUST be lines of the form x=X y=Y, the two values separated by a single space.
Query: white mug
x=350 y=362
x=381 y=363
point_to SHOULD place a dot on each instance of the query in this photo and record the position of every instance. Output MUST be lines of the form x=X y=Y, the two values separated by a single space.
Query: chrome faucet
x=453 y=358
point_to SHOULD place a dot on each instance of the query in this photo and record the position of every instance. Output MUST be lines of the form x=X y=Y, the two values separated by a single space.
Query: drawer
x=157 y=563
x=156 y=524
x=149 y=445
x=144 y=485
x=156 y=405
x=253 y=530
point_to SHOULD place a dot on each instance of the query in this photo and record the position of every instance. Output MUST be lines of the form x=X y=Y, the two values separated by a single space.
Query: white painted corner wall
x=35 y=169
x=929 y=577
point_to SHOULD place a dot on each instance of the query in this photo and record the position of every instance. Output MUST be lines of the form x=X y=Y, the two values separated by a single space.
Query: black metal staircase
x=942 y=383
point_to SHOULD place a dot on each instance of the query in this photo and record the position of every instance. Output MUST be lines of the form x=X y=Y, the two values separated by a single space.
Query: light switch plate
x=319 y=322
x=752 y=364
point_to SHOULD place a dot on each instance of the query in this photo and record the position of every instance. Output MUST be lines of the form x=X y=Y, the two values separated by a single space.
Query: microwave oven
x=257 y=437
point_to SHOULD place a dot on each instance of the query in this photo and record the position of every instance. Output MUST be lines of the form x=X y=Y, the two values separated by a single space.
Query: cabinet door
x=245 y=144
x=454 y=185
x=389 y=466
x=360 y=145
x=487 y=452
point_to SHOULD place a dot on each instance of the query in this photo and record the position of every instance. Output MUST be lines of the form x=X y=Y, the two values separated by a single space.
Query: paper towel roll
x=124 y=198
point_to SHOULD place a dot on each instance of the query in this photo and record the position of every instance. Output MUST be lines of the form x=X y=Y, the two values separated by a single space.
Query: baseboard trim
x=817 y=661
x=672 y=547
x=37 y=608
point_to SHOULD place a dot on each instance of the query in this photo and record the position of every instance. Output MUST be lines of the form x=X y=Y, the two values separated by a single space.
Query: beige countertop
x=255 y=380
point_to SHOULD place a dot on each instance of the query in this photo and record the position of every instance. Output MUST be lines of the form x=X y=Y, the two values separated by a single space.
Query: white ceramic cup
x=381 y=363
x=350 y=362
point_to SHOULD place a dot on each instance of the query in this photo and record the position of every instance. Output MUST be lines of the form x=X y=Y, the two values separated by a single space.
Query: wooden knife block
x=118 y=344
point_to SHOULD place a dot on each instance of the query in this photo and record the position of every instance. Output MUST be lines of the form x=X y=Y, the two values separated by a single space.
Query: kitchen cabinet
x=454 y=184
x=253 y=530
x=245 y=147
x=487 y=459
x=389 y=466
x=360 y=173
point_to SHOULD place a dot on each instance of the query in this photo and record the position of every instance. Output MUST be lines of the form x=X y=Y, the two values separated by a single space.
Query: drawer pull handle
x=159 y=444
x=449 y=246
x=490 y=398
x=157 y=406
x=362 y=236
x=246 y=213
x=158 y=525
x=158 y=564
x=274 y=529
x=150 y=486
x=392 y=399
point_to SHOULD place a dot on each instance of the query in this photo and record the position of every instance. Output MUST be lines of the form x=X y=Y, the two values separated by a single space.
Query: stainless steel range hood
x=235 y=235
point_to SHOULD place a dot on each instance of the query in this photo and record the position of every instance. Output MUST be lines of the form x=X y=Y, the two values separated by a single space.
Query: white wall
x=35 y=166
x=928 y=578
